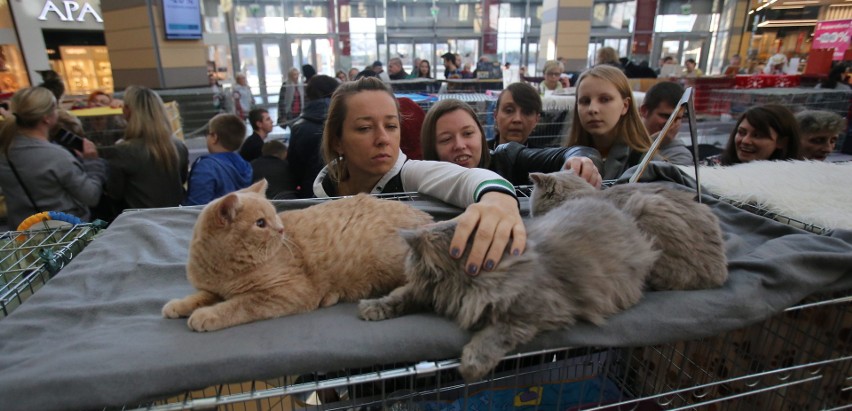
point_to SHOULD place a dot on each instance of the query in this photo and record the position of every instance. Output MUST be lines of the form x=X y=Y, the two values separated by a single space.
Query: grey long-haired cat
x=249 y=262
x=585 y=260
x=687 y=232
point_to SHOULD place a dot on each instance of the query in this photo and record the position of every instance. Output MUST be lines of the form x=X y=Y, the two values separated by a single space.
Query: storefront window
x=13 y=76
x=84 y=69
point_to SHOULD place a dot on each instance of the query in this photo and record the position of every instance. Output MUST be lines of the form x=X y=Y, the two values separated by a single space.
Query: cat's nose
x=281 y=230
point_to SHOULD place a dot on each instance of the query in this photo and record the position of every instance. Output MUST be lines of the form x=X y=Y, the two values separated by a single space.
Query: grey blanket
x=94 y=336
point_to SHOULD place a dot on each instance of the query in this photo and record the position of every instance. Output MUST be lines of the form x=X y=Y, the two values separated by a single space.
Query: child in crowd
x=272 y=165
x=223 y=170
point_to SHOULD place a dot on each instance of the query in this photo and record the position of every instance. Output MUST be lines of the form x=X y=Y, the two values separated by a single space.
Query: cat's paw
x=177 y=308
x=205 y=319
x=375 y=310
x=475 y=365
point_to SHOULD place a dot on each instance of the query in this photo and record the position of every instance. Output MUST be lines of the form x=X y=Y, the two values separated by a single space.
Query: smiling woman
x=360 y=145
x=767 y=132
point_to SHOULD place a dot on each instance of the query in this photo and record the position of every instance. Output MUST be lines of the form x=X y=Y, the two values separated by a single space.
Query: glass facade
x=332 y=35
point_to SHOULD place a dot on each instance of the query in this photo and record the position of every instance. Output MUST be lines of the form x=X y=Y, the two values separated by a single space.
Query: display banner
x=833 y=35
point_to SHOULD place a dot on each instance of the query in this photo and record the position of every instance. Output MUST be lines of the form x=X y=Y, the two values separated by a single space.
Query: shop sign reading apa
x=70 y=11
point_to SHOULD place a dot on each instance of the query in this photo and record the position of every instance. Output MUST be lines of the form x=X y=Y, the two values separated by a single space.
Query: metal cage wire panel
x=28 y=259
x=799 y=359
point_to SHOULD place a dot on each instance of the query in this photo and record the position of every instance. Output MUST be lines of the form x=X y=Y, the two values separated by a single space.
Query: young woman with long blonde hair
x=148 y=167
x=606 y=119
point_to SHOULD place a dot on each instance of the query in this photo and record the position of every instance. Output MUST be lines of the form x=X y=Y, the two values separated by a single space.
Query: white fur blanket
x=813 y=192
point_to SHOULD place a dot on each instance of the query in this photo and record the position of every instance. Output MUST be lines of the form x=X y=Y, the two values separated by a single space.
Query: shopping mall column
x=565 y=29
x=142 y=53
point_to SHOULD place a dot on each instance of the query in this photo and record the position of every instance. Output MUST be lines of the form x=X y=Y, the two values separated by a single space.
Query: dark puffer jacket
x=304 y=150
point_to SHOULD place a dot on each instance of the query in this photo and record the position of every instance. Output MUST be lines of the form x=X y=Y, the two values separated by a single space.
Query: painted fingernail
x=471 y=269
x=516 y=252
x=455 y=252
x=489 y=265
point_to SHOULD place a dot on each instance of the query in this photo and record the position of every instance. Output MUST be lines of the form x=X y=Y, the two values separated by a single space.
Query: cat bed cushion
x=93 y=336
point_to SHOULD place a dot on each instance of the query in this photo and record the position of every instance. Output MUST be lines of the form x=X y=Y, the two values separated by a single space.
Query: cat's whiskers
x=287 y=243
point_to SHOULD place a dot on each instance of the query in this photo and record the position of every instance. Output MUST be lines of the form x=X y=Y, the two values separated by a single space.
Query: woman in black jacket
x=306 y=134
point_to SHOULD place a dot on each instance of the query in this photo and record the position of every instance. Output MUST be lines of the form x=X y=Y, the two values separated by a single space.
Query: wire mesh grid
x=736 y=101
x=798 y=359
x=28 y=259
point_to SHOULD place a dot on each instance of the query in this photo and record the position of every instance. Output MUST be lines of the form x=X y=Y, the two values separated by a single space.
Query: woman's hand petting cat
x=496 y=220
x=585 y=168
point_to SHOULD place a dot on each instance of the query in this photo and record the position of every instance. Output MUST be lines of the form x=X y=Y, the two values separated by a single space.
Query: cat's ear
x=537 y=178
x=412 y=237
x=226 y=210
x=542 y=181
x=258 y=187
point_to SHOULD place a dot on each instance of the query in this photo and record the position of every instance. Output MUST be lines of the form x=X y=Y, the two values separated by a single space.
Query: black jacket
x=282 y=185
x=515 y=161
x=252 y=147
x=304 y=150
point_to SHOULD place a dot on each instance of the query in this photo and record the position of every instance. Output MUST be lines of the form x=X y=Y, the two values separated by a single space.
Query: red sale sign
x=833 y=35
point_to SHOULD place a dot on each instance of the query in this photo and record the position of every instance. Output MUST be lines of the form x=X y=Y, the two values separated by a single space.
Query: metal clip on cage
x=687 y=102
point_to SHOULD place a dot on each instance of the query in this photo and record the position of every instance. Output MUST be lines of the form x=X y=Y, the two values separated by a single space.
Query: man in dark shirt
x=261 y=125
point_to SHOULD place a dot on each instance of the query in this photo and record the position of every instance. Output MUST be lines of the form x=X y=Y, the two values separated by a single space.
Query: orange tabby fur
x=250 y=263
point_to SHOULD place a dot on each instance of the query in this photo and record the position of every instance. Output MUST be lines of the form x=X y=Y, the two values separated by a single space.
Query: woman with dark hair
x=836 y=79
x=361 y=148
x=37 y=175
x=516 y=114
x=767 y=132
x=452 y=133
x=424 y=70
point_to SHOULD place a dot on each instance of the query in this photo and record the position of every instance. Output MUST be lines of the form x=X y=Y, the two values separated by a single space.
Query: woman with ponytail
x=37 y=175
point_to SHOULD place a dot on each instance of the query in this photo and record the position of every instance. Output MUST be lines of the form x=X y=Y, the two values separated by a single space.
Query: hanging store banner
x=833 y=35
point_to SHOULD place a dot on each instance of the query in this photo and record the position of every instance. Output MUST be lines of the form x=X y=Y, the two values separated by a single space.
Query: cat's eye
x=260 y=222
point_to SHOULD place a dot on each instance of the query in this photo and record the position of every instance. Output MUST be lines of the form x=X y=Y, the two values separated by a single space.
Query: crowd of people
x=351 y=136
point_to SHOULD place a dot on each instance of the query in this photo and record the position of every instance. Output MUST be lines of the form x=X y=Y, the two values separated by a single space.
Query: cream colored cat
x=250 y=263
